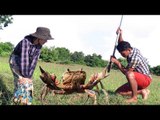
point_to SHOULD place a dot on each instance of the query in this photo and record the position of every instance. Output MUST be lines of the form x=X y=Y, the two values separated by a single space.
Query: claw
x=42 y=71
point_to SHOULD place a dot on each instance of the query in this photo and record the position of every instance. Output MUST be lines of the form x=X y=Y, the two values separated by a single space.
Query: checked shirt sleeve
x=34 y=61
x=24 y=65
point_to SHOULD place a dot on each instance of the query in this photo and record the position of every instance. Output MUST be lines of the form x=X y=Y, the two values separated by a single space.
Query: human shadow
x=111 y=92
x=5 y=94
x=108 y=91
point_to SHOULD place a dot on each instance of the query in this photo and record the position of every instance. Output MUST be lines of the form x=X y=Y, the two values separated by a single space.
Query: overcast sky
x=91 y=33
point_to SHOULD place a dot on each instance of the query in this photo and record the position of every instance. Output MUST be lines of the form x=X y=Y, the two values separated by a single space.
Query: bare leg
x=145 y=93
x=133 y=84
x=125 y=90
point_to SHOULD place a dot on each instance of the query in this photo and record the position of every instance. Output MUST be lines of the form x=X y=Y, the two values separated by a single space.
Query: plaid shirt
x=138 y=62
x=28 y=56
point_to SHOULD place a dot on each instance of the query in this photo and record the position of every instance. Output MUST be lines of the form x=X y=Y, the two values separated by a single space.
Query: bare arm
x=120 y=66
x=119 y=31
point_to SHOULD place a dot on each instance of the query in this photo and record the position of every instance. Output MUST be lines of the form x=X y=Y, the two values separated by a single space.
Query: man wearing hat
x=23 y=61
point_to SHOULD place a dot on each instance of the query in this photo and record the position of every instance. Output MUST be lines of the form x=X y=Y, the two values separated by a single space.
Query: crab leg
x=44 y=92
x=92 y=94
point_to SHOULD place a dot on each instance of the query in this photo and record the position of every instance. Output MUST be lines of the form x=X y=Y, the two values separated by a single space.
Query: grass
x=111 y=83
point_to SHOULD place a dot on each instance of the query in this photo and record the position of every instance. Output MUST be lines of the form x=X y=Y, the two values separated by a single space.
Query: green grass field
x=111 y=83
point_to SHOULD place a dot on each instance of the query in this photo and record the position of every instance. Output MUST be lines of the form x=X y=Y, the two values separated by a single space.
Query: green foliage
x=89 y=60
x=60 y=55
x=49 y=54
x=111 y=83
x=5 y=20
x=6 y=89
x=156 y=70
x=94 y=60
x=77 y=57
x=6 y=48
x=122 y=61
x=63 y=54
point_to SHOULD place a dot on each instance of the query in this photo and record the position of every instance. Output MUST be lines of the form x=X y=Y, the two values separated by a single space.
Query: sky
x=91 y=33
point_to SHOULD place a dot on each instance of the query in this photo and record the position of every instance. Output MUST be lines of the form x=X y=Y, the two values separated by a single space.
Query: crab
x=72 y=81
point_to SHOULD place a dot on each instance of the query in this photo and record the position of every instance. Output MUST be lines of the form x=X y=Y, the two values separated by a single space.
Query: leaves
x=5 y=20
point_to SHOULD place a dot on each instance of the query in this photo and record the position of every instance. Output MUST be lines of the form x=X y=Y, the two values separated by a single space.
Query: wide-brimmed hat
x=42 y=33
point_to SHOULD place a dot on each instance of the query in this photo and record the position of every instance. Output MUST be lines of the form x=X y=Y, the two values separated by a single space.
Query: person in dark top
x=23 y=61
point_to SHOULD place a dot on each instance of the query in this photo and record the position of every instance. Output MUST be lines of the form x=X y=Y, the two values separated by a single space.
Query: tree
x=63 y=54
x=95 y=60
x=6 y=48
x=122 y=61
x=89 y=61
x=78 y=57
x=156 y=70
x=5 y=20
x=49 y=54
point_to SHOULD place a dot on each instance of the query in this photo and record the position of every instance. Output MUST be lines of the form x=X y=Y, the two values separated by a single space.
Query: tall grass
x=111 y=83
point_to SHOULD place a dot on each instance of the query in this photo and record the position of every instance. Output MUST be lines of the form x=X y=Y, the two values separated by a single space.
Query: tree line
x=62 y=55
